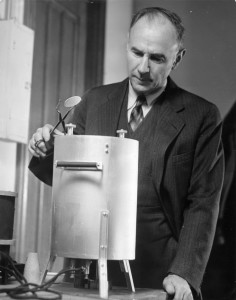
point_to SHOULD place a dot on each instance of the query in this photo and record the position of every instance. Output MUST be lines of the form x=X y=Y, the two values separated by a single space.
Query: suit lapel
x=109 y=112
x=168 y=127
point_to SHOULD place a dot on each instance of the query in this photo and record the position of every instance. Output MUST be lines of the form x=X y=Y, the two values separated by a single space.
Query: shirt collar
x=150 y=98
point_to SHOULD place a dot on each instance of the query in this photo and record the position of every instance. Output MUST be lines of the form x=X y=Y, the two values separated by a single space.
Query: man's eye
x=157 y=59
x=138 y=53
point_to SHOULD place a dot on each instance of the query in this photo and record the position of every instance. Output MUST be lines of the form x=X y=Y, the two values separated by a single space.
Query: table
x=71 y=293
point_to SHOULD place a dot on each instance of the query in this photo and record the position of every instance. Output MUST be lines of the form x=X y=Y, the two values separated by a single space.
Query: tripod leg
x=125 y=267
x=102 y=261
x=48 y=267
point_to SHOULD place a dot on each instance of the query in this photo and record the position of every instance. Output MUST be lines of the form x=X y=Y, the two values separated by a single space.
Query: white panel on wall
x=7 y=166
x=2 y=9
x=16 y=56
x=118 y=17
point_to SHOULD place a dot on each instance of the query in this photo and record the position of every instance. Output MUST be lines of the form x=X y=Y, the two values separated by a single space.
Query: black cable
x=27 y=290
x=12 y=273
x=54 y=278
x=19 y=277
x=32 y=291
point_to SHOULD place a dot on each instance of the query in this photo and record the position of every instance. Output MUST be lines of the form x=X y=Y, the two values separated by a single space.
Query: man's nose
x=144 y=65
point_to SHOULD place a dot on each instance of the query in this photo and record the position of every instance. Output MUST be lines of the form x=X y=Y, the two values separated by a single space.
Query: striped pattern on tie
x=136 y=115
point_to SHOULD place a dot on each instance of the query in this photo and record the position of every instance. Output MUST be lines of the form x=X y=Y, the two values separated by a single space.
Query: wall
x=118 y=15
x=7 y=166
x=209 y=66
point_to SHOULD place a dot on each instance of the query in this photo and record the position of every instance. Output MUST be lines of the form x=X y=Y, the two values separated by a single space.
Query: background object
x=7 y=212
x=16 y=58
x=220 y=276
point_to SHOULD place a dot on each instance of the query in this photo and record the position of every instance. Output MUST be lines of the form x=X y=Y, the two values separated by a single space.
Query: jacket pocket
x=184 y=157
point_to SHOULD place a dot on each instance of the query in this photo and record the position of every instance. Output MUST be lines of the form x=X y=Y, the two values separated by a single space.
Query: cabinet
x=16 y=57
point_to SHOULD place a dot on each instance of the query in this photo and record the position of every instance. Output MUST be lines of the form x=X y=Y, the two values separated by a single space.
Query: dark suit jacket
x=187 y=165
x=222 y=262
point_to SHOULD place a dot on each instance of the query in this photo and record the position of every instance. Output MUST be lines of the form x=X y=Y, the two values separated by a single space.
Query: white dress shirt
x=132 y=96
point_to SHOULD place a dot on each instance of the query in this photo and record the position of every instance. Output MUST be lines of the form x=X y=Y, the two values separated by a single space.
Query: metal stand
x=125 y=267
x=49 y=266
x=102 y=261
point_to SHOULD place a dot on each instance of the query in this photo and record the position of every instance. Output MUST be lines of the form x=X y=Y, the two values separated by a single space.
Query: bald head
x=161 y=14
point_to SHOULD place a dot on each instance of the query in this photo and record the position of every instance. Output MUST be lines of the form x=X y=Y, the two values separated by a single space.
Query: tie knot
x=141 y=99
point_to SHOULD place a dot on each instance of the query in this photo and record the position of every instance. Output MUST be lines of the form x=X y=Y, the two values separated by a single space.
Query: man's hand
x=42 y=140
x=177 y=287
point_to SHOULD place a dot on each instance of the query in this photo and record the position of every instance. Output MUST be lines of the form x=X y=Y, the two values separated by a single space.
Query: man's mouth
x=143 y=79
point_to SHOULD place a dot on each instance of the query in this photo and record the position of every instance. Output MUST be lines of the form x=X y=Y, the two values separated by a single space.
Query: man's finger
x=188 y=295
x=32 y=151
x=179 y=295
x=170 y=289
x=168 y=286
x=46 y=132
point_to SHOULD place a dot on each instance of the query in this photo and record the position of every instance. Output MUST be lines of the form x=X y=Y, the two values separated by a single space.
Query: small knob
x=121 y=133
x=70 y=128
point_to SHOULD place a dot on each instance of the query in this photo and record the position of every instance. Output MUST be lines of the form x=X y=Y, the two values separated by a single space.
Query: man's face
x=152 y=51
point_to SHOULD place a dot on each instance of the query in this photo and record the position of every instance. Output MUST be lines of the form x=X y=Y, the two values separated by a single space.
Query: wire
x=19 y=277
x=12 y=273
x=27 y=290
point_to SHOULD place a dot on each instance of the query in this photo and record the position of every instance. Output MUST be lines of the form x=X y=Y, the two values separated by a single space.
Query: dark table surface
x=70 y=293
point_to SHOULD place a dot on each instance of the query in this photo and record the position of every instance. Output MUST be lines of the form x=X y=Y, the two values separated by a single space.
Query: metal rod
x=79 y=166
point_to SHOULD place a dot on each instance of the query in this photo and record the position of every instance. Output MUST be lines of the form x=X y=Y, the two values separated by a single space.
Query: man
x=222 y=260
x=180 y=155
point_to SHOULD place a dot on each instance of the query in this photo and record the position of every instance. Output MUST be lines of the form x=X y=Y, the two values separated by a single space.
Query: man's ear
x=179 y=57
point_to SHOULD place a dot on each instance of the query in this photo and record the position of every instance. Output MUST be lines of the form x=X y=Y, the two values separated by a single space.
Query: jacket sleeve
x=42 y=168
x=202 y=203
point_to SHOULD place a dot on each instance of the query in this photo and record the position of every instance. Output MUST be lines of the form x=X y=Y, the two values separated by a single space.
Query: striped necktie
x=136 y=115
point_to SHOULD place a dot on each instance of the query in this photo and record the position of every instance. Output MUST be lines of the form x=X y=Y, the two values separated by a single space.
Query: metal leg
x=102 y=261
x=49 y=266
x=125 y=267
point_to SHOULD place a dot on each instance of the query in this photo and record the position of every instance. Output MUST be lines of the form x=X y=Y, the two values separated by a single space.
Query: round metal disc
x=72 y=101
